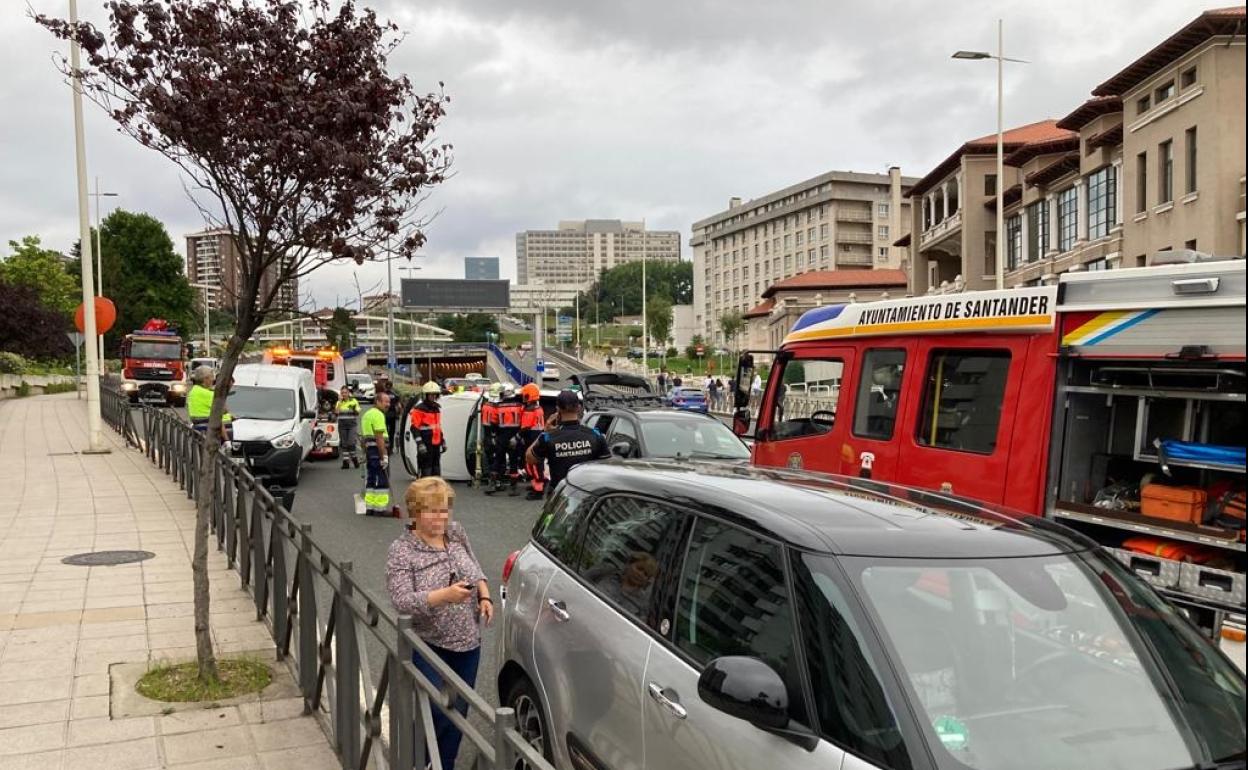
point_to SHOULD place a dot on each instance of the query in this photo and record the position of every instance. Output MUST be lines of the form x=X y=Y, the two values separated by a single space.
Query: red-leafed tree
x=292 y=134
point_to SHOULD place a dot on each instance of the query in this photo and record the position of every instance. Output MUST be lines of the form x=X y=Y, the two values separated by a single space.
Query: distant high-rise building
x=214 y=260
x=481 y=268
x=579 y=251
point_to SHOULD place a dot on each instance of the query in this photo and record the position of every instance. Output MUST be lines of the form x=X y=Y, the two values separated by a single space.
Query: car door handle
x=559 y=610
x=659 y=694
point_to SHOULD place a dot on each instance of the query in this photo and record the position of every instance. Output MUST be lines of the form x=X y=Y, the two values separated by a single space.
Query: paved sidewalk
x=62 y=626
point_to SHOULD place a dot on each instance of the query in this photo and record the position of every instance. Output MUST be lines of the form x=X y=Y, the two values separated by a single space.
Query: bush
x=23 y=390
x=672 y=352
x=12 y=363
x=60 y=387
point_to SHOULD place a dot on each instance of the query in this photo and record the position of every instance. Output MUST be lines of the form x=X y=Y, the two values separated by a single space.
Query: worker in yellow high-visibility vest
x=374 y=436
x=199 y=401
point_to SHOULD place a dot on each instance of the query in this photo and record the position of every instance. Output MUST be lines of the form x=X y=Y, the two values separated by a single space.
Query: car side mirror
x=746 y=688
x=742 y=381
x=622 y=449
x=308 y=414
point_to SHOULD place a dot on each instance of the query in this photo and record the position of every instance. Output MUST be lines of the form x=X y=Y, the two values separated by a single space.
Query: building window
x=788 y=241
x=881 y=254
x=1038 y=229
x=1188 y=78
x=1102 y=201
x=990 y=184
x=1141 y=183
x=1189 y=139
x=799 y=237
x=810 y=235
x=1142 y=104
x=882 y=232
x=990 y=253
x=1190 y=245
x=882 y=210
x=823 y=231
x=810 y=257
x=1164 y=92
x=1165 y=172
x=1097 y=265
x=823 y=252
x=1067 y=218
x=1013 y=241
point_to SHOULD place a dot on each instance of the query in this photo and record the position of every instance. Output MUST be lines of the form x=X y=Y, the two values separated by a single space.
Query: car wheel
x=530 y=719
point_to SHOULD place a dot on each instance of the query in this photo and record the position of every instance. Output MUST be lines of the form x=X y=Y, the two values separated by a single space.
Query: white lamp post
x=1000 y=59
x=99 y=255
x=206 y=288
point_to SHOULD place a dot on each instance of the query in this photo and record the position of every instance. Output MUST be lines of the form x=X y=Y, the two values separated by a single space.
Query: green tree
x=731 y=324
x=468 y=327
x=43 y=270
x=618 y=290
x=691 y=351
x=341 y=329
x=144 y=277
x=659 y=320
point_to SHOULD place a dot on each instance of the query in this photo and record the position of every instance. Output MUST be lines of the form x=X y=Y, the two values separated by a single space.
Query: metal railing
x=796 y=406
x=115 y=409
x=380 y=718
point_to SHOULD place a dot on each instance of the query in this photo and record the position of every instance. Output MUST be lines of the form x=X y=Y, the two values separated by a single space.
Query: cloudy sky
x=644 y=109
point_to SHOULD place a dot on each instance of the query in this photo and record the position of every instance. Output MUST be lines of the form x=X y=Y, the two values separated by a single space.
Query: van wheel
x=530 y=719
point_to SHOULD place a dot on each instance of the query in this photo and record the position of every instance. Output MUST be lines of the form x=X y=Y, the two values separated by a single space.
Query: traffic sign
x=540 y=366
x=75 y=339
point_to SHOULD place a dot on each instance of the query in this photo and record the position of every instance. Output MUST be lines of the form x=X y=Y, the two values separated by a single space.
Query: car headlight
x=284 y=441
x=129 y=386
x=236 y=446
x=177 y=387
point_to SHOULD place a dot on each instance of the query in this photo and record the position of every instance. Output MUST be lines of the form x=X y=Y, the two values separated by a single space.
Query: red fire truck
x=153 y=365
x=1112 y=401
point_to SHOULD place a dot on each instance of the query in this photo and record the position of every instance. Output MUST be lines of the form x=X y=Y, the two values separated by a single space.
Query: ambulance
x=1112 y=402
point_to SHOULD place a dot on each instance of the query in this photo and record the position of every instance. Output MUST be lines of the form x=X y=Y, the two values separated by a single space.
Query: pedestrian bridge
x=371 y=332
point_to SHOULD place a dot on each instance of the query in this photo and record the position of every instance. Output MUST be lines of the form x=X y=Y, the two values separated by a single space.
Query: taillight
x=509 y=565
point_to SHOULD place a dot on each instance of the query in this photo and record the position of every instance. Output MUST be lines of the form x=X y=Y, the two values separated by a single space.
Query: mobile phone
x=454 y=578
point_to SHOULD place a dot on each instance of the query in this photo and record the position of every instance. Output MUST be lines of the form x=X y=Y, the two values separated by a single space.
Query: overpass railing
x=518 y=375
x=379 y=714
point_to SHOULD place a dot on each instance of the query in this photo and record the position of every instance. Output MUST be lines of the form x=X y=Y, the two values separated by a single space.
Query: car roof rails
x=608 y=390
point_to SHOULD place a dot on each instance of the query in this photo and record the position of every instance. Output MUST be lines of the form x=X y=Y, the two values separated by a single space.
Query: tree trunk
x=206 y=492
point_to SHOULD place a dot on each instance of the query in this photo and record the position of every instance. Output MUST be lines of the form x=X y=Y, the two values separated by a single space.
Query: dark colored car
x=667 y=434
x=675 y=615
x=687 y=398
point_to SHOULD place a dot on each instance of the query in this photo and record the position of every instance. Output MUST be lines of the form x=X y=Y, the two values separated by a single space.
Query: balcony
x=853 y=215
x=941 y=230
x=854 y=259
x=842 y=237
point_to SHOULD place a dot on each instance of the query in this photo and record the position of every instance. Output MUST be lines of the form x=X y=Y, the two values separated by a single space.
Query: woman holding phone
x=432 y=575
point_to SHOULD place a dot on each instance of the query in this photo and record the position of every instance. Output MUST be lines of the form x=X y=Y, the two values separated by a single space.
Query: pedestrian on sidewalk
x=374 y=434
x=348 y=427
x=432 y=575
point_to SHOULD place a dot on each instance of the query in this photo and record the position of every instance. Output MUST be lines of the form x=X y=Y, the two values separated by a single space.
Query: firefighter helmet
x=530 y=392
x=509 y=390
x=431 y=388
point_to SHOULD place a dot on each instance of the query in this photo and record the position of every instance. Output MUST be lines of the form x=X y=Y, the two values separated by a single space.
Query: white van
x=274 y=408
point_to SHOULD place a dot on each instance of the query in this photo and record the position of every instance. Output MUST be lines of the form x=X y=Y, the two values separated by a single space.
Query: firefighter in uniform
x=348 y=408
x=507 y=457
x=199 y=402
x=489 y=431
x=568 y=445
x=532 y=422
x=426 y=419
x=375 y=437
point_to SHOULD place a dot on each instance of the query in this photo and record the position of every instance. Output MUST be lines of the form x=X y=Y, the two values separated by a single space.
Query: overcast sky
x=645 y=109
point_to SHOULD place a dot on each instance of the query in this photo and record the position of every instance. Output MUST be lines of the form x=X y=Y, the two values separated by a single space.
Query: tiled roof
x=1048 y=147
x=1054 y=171
x=1092 y=108
x=1107 y=138
x=761 y=309
x=1045 y=130
x=1219 y=21
x=839 y=279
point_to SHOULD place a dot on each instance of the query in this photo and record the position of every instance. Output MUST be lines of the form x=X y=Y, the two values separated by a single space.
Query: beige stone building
x=213 y=260
x=578 y=251
x=769 y=322
x=841 y=220
x=1153 y=161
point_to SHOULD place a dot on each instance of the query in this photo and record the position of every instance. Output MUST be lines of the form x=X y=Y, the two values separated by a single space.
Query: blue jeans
x=465 y=665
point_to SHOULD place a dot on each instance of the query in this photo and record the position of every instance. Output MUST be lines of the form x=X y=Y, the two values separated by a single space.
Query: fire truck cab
x=154 y=365
x=1112 y=401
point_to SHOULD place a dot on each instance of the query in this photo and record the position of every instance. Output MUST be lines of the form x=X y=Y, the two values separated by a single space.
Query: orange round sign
x=105 y=315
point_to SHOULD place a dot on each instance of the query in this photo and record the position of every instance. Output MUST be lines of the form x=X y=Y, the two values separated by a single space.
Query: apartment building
x=841 y=220
x=769 y=322
x=578 y=251
x=214 y=260
x=1153 y=161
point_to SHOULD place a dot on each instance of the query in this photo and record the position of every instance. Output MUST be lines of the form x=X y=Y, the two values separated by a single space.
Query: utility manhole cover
x=106 y=558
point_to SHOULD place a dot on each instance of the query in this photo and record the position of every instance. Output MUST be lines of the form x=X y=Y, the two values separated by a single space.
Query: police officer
x=532 y=422
x=489 y=431
x=426 y=419
x=375 y=437
x=348 y=408
x=199 y=401
x=507 y=457
x=568 y=445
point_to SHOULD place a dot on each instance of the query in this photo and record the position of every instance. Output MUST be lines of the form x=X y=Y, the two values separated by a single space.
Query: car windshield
x=670 y=436
x=1063 y=661
x=359 y=379
x=163 y=351
x=246 y=402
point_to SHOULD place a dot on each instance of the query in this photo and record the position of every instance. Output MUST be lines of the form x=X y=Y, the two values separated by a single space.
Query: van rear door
x=958 y=435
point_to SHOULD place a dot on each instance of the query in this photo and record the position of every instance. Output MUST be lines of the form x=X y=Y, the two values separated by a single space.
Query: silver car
x=677 y=615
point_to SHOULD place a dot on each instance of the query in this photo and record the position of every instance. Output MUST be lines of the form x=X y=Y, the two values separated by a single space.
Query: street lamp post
x=411 y=339
x=1001 y=59
x=99 y=255
x=95 y=420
